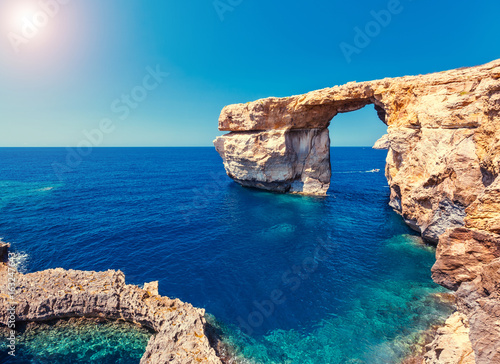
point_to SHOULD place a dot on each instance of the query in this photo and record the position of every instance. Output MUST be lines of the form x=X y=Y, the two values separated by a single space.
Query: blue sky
x=83 y=56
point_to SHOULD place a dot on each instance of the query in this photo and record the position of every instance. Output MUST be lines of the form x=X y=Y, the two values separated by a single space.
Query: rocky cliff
x=442 y=166
x=181 y=329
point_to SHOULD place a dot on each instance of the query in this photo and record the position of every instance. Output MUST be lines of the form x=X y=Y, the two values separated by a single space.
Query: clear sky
x=65 y=67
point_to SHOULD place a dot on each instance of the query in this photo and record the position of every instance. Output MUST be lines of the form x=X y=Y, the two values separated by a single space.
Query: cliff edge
x=443 y=161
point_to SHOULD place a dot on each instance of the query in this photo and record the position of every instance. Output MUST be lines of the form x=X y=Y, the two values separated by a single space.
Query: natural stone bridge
x=443 y=135
x=442 y=166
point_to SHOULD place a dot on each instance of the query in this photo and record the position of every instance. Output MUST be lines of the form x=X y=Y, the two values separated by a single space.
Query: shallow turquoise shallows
x=288 y=279
x=78 y=341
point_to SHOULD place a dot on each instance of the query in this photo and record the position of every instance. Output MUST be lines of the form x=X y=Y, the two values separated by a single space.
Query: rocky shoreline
x=442 y=167
x=443 y=162
x=182 y=335
x=448 y=343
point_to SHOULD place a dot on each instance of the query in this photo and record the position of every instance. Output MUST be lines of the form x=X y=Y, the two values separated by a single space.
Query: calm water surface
x=289 y=279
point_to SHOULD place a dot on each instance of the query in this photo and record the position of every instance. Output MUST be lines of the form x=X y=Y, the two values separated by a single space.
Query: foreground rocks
x=443 y=162
x=462 y=255
x=181 y=329
x=451 y=344
x=468 y=261
x=479 y=299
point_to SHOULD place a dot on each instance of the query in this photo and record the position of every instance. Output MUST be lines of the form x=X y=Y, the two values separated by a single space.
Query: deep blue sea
x=289 y=279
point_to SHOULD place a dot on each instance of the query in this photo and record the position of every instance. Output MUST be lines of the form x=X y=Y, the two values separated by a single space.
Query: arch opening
x=358 y=128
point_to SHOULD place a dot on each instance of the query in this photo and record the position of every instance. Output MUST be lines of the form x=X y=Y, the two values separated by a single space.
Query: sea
x=283 y=278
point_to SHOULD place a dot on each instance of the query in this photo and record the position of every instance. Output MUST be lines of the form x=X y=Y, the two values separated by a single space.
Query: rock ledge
x=181 y=329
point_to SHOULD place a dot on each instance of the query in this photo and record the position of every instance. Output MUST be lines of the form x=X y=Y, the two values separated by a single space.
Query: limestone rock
x=151 y=288
x=56 y=293
x=433 y=175
x=461 y=255
x=452 y=344
x=479 y=299
x=484 y=213
x=469 y=261
x=383 y=142
x=442 y=167
x=283 y=160
x=443 y=137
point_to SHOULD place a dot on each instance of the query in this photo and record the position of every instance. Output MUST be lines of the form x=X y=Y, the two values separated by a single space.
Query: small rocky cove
x=180 y=329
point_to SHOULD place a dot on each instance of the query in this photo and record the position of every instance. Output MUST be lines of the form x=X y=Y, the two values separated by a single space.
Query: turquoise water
x=289 y=279
x=82 y=341
x=380 y=326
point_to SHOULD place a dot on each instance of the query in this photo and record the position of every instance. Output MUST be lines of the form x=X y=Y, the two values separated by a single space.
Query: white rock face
x=434 y=174
x=382 y=143
x=282 y=160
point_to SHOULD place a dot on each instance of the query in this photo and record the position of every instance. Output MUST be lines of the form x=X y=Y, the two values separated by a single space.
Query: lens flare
x=19 y=12
x=24 y=12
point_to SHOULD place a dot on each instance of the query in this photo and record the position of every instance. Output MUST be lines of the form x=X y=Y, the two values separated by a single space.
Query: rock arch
x=283 y=144
x=441 y=130
x=442 y=167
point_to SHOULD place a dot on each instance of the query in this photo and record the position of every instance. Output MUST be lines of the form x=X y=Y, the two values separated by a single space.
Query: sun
x=23 y=12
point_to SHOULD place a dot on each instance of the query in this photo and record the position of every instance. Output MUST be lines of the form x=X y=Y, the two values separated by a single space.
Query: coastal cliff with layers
x=443 y=162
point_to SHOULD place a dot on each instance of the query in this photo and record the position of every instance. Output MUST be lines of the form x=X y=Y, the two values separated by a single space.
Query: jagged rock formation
x=451 y=344
x=468 y=261
x=382 y=143
x=181 y=329
x=442 y=167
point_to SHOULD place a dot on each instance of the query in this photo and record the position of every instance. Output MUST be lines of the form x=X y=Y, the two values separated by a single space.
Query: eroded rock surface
x=451 y=344
x=484 y=213
x=479 y=299
x=280 y=160
x=382 y=143
x=443 y=163
x=468 y=261
x=56 y=293
x=462 y=254
x=443 y=141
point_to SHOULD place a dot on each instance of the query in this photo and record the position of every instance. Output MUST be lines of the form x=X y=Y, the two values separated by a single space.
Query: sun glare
x=23 y=12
